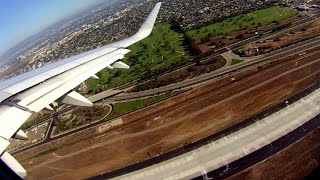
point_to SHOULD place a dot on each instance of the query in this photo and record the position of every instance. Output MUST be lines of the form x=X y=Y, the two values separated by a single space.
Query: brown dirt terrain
x=294 y=162
x=80 y=116
x=216 y=42
x=172 y=123
x=306 y=32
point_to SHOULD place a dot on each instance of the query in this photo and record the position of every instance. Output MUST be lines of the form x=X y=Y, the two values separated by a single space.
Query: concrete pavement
x=236 y=145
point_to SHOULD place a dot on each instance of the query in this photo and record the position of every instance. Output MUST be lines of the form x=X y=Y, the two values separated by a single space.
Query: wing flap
x=11 y=118
x=4 y=143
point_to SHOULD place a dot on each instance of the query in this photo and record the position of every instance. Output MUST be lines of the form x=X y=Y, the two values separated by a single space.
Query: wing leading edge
x=31 y=92
x=19 y=83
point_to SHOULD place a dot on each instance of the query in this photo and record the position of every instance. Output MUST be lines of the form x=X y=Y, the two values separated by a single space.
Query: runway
x=237 y=145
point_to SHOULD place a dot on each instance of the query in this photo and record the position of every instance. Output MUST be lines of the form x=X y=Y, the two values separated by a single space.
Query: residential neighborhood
x=117 y=20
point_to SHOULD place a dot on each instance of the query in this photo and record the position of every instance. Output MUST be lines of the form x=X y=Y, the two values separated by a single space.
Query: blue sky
x=22 y=18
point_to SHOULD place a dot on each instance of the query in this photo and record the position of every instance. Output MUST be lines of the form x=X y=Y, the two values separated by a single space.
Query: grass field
x=236 y=61
x=163 y=49
x=124 y=107
x=159 y=51
x=244 y=21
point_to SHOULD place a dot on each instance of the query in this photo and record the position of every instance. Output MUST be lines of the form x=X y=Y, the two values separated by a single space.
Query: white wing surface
x=31 y=92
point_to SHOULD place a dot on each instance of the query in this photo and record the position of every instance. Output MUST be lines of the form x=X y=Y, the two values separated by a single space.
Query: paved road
x=236 y=145
x=202 y=166
x=217 y=173
x=229 y=56
x=297 y=24
x=273 y=56
x=270 y=57
x=205 y=77
x=238 y=44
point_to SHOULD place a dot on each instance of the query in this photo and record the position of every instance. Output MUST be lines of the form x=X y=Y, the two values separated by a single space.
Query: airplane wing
x=28 y=93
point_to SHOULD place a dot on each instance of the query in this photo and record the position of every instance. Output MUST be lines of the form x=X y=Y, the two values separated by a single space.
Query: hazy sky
x=22 y=18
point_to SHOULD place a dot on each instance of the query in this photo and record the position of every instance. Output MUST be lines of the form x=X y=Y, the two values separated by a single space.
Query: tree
x=117 y=73
x=239 y=36
x=197 y=61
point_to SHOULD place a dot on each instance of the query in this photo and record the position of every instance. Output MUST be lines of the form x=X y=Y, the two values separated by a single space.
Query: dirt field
x=80 y=117
x=215 y=42
x=306 y=32
x=177 y=121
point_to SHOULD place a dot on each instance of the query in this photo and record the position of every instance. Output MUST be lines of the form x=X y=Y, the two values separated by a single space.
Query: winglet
x=148 y=24
x=145 y=29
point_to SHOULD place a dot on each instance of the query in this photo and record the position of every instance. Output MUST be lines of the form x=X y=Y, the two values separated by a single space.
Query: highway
x=247 y=160
x=265 y=35
x=270 y=34
x=273 y=56
x=270 y=57
x=228 y=71
x=234 y=146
